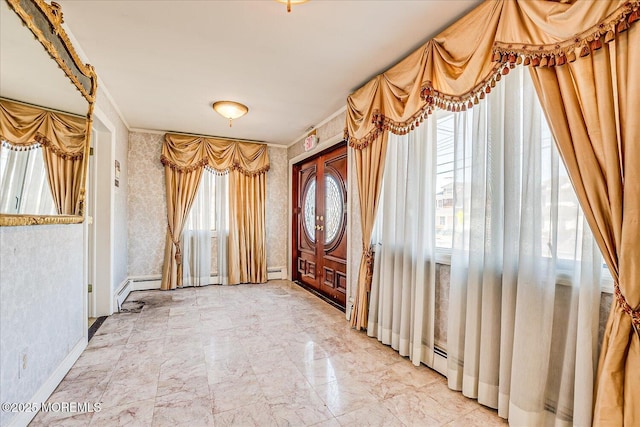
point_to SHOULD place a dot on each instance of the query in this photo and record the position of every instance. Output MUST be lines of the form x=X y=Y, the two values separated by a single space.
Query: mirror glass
x=30 y=76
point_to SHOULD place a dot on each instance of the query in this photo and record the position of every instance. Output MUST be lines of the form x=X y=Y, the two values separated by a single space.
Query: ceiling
x=165 y=62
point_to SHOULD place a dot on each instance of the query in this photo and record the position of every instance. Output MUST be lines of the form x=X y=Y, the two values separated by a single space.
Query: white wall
x=41 y=306
x=120 y=205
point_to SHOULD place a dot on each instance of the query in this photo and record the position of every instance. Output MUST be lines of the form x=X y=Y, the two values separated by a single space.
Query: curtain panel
x=592 y=107
x=524 y=296
x=369 y=171
x=63 y=139
x=247 y=228
x=403 y=286
x=184 y=158
x=460 y=66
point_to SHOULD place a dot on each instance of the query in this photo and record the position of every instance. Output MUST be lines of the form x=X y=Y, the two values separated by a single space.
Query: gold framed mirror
x=47 y=96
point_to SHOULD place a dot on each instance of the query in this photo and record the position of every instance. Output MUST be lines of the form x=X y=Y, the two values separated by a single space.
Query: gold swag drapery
x=63 y=139
x=584 y=57
x=184 y=158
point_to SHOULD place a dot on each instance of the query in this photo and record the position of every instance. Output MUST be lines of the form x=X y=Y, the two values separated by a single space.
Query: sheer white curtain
x=525 y=272
x=204 y=238
x=24 y=185
x=402 y=300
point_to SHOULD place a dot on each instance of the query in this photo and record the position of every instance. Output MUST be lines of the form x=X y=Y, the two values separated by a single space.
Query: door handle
x=319 y=227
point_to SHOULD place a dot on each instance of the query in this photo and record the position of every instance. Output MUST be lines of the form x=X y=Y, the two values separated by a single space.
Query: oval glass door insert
x=333 y=208
x=310 y=210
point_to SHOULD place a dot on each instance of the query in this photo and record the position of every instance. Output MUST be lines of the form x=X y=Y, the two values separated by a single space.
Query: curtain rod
x=53 y=110
x=253 y=141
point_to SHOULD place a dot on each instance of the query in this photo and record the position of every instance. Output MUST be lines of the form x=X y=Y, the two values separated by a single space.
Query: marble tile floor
x=250 y=355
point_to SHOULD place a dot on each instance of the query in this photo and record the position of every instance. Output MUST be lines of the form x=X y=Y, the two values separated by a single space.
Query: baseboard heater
x=440 y=352
x=440 y=360
x=276 y=273
x=145 y=283
x=123 y=293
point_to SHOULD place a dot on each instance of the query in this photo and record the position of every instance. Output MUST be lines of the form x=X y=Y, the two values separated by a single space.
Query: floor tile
x=255 y=415
x=250 y=355
x=136 y=414
x=372 y=415
x=174 y=412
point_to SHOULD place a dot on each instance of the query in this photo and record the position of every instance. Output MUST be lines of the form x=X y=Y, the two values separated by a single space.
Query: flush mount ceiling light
x=290 y=2
x=230 y=109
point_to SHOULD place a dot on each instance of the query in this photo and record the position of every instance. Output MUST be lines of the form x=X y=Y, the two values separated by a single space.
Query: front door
x=320 y=223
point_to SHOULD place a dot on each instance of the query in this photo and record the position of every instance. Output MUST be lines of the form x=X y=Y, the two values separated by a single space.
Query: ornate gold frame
x=45 y=22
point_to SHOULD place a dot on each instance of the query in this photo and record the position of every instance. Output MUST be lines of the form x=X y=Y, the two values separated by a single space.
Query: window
x=558 y=198
x=24 y=186
x=212 y=200
x=444 y=178
x=203 y=210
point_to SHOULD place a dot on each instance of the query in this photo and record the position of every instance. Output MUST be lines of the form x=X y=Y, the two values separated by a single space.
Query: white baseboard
x=44 y=392
x=146 y=285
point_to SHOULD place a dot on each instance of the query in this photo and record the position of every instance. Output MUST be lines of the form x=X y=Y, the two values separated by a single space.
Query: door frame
x=322 y=146
x=102 y=173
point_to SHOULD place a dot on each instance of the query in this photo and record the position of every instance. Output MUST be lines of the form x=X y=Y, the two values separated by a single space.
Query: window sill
x=443 y=256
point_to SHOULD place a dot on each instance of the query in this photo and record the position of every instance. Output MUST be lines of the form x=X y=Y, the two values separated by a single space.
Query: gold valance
x=23 y=126
x=459 y=67
x=185 y=153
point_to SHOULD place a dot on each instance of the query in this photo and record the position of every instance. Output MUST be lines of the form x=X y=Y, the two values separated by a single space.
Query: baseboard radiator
x=123 y=293
x=276 y=273
x=440 y=360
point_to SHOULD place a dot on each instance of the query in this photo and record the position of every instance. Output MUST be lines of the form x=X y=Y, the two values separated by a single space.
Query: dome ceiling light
x=230 y=110
x=290 y=2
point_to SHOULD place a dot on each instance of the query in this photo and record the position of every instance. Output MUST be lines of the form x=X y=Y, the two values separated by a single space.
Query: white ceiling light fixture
x=230 y=110
x=290 y=2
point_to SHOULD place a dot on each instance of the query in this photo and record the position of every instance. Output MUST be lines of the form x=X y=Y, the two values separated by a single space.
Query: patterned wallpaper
x=147 y=206
x=277 y=183
x=443 y=276
x=355 y=238
x=41 y=305
x=327 y=131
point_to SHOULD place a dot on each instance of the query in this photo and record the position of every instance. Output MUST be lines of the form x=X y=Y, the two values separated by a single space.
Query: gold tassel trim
x=204 y=163
x=41 y=141
x=58 y=152
x=432 y=99
x=583 y=44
